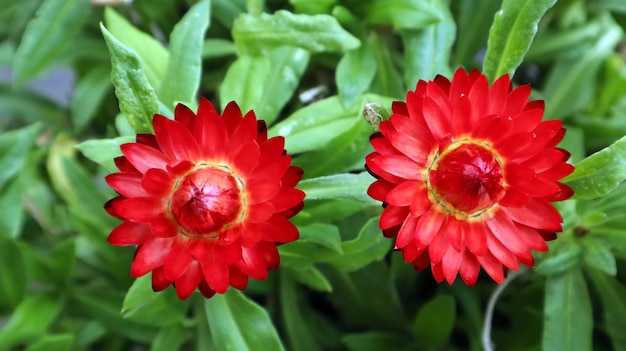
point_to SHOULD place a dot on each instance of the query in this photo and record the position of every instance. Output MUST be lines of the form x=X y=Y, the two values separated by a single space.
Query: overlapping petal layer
x=206 y=198
x=467 y=174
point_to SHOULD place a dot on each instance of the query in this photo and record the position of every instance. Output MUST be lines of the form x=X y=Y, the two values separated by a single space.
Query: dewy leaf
x=154 y=57
x=256 y=34
x=14 y=146
x=47 y=36
x=427 y=51
x=323 y=234
x=103 y=151
x=347 y=186
x=568 y=321
x=403 y=14
x=264 y=83
x=239 y=324
x=138 y=101
x=182 y=78
x=511 y=34
x=598 y=174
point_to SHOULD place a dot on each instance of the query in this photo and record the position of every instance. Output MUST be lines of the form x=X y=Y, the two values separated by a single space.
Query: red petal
x=150 y=256
x=185 y=116
x=252 y=263
x=479 y=96
x=413 y=128
x=245 y=132
x=559 y=171
x=379 y=189
x=144 y=157
x=130 y=233
x=293 y=176
x=287 y=198
x=493 y=267
x=231 y=116
x=148 y=140
x=437 y=271
x=216 y=274
x=406 y=232
x=459 y=87
x=531 y=238
x=175 y=140
x=538 y=213
x=126 y=184
x=272 y=169
x=462 y=122
x=494 y=128
x=159 y=282
x=177 y=261
x=507 y=233
x=404 y=193
x=469 y=268
x=261 y=129
x=415 y=149
x=204 y=288
x=188 y=282
x=420 y=203
x=450 y=264
x=430 y=226
x=528 y=120
x=437 y=119
x=238 y=279
x=279 y=229
x=437 y=248
x=124 y=165
x=392 y=215
x=515 y=174
x=544 y=160
x=261 y=190
x=516 y=100
x=245 y=158
x=210 y=133
x=514 y=198
x=139 y=209
x=455 y=232
x=476 y=238
x=500 y=252
x=497 y=95
x=157 y=182
x=400 y=166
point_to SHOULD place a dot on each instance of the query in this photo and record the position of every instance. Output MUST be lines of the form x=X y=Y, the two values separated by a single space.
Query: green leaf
x=312 y=277
x=313 y=126
x=313 y=7
x=170 y=338
x=598 y=255
x=256 y=34
x=323 y=234
x=427 y=51
x=403 y=14
x=239 y=324
x=11 y=207
x=347 y=186
x=55 y=342
x=29 y=320
x=473 y=20
x=369 y=246
x=215 y=48
x=387 y=82
x=296 y=324
x=567 y=257
x=580 y=71
x=435 y=321
x=598 y=174
x=153 y=56
x=264 y=83
x=376 y=341
x=138 y=101
x=90 y=91
x=143 y=305
x=570 y=43
x=12 y=274
x=355 y=72
x=511 y=34
x=63 y=260
x=182 y=77
x=568 y=321
x=103 y=151
x=613 y=297
x=14 y=146
x=47 y=36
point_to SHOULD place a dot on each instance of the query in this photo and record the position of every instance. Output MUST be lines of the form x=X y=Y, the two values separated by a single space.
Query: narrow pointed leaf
x=512 y=32
x=347 y=186
x=47 y=36
x=137 y=98
x=182 y=78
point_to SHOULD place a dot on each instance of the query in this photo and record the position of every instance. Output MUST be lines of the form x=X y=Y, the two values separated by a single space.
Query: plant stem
x=491 y=304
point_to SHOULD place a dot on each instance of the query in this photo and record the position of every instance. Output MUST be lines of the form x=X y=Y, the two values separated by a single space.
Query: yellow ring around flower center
x=459 y=179
x=207 y=200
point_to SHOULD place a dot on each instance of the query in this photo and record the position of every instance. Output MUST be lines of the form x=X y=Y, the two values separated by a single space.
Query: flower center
x=466 y=179
x=207 y=200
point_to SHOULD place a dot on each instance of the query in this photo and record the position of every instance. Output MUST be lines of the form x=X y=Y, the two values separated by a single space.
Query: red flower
x=467 y=174
x=206 y=199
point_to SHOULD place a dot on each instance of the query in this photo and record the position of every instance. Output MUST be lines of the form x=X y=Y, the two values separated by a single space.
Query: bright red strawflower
x=467 y=174
x=206 y=199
